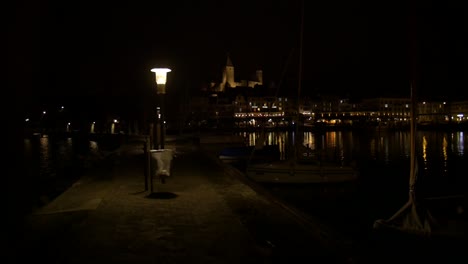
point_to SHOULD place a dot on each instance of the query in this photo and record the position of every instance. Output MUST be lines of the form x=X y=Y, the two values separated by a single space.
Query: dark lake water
x=53 y=164
x=383 y=158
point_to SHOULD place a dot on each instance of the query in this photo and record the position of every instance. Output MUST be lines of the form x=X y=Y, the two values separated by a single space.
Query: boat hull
x=243 y=154
x=301 y=173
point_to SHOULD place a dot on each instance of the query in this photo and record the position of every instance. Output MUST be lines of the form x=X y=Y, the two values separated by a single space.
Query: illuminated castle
x=228 y=80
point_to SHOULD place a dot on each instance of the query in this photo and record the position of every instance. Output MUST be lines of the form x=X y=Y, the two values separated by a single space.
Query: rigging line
x=413 y=46
x=413 y=160
x=301 y=37
x=283 y=73
x=299 y=81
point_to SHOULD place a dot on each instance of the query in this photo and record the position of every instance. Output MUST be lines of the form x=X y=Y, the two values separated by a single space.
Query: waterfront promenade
x=205 y=213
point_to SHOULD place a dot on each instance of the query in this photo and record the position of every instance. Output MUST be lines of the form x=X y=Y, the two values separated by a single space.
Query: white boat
x=244 y=153
x=293 y=172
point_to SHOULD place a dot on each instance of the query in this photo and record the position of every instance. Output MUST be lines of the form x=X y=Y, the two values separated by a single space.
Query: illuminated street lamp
x=159 y=132
x=92 y=129
x=113 y=126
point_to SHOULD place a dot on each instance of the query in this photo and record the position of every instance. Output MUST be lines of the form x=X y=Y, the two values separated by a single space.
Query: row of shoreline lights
x=92 y=128
x=69 y=123
x=161 y=79
x=61 y=109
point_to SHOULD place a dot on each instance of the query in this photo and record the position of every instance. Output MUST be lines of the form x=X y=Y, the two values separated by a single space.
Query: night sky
x=95 y=56
x=103 y=50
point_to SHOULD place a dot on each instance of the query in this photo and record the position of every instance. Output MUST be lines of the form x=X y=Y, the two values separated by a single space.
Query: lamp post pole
x=160 y=122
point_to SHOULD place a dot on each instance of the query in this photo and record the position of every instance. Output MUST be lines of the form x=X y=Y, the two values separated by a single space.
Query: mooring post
x=147 y=161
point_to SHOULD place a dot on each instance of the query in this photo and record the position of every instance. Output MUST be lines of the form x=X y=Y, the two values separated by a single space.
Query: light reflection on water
x=424 y=151
x=383 y=160
x=44 y=153
x=460 y=139
x=385 y=147
x=384 y=157
x=53 y=164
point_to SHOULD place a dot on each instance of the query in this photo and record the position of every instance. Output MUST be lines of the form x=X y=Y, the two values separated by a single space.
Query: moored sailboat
x=417 y=216
x=296 y=169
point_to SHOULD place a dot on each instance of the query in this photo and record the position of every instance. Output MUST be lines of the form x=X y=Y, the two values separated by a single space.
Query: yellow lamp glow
x=161 y=74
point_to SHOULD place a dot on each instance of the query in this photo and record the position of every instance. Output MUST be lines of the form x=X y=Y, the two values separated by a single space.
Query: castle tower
x=259 y=76
x=228 y=75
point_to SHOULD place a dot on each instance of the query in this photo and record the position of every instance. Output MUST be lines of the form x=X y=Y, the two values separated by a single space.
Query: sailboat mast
x=301 y=37
x=298 y=139
x=413 y=160
x=412 y=217
x=414 y=76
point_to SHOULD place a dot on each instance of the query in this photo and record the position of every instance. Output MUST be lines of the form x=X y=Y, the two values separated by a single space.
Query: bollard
x=147 y=162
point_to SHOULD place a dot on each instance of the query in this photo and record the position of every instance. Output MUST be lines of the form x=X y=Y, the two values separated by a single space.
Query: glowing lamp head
x=161 y=74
